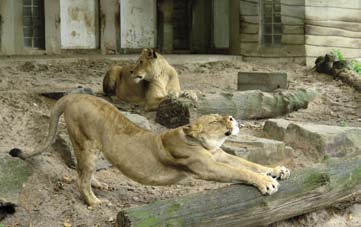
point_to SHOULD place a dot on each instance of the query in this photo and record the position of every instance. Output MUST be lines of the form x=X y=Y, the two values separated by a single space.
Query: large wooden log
x=240 y=205
x=252 y=104
x=339 y=70
x=351 y=78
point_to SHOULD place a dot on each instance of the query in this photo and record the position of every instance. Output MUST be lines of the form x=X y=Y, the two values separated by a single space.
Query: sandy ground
x=50 y=197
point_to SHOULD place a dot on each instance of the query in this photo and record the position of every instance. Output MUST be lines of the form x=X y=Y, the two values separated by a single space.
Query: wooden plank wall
x=293 y=38
x=332 y=24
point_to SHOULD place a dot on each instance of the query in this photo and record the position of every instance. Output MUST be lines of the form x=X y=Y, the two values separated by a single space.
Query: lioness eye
x=231 y=119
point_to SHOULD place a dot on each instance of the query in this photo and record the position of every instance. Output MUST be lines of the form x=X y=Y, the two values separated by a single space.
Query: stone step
x=259 y=150
x=317 y=141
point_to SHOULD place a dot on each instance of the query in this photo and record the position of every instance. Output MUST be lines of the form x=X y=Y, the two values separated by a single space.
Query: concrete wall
x=138 y=23
x=52 y=26
x=221 y=23
x=109 y=26
x=12 y=26
x=79 y=24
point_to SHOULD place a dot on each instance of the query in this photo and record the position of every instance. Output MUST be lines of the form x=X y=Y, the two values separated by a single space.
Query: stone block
x=261 y=81
x=259 y=150
x=276 y=128
x=316 y=141
x=14 y=172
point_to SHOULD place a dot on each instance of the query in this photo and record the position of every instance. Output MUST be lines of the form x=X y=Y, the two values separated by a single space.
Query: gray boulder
x=14 y=172
x=137 y=119
x=317 y=141
x=259 y=150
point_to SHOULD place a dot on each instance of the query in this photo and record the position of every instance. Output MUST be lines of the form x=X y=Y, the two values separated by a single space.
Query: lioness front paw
x=190 y=95
x=267 y=185
x=280 y=172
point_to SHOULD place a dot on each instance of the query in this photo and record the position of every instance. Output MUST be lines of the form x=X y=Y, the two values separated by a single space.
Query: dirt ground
x=50 y=197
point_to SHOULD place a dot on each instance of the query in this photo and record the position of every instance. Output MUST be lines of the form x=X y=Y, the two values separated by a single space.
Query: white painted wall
x=221 y=23
x=138 y=23
x=78 y=25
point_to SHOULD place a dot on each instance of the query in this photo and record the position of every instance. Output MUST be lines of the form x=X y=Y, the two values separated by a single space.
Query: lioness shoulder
x=162 y=77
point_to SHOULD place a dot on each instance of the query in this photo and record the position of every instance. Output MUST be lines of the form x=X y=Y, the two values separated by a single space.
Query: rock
x=259 y=150
x=27 y=67
x=63 y=146
x=58 y=94
x=14 y=172
x=263 y=81
x=276 y=128
x=137 y=119
x=317 y=141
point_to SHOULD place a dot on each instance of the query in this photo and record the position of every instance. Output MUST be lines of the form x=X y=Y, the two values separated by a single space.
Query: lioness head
x=212 y=130
x=147 y=66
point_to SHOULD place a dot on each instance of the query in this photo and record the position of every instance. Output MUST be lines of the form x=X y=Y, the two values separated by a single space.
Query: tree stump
x=173 y=113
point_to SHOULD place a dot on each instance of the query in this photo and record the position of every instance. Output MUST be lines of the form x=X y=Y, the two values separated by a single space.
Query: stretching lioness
x=155 y=159
x=162 y=77
x=118 y=81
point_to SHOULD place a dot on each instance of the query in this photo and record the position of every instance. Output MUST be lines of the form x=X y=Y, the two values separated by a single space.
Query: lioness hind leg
x=86 y=166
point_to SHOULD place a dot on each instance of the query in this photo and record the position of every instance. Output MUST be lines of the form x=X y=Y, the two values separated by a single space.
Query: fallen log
x=339 y=69
x=239 y=205
x=252 y=104
x=351 y=78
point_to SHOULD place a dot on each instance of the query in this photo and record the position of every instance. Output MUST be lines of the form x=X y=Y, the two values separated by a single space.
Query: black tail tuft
x=15 y=152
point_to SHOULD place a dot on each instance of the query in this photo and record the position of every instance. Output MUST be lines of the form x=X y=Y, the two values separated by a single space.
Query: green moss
x=353 y=180
x=146 y=218
x=13 y=174
x=316 y=179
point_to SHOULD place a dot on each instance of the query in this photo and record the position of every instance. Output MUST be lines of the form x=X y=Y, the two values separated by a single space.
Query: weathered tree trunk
x=339 y=69
x=240 y=205
x=252 y=104
x=351 y=78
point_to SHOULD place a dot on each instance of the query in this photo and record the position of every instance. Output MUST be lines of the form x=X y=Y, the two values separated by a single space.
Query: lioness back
x=118 y=81
x=109 y=80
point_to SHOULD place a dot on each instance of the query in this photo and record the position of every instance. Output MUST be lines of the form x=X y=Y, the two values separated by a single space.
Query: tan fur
x=118 y=81
x=162 y=77
x=155 y=159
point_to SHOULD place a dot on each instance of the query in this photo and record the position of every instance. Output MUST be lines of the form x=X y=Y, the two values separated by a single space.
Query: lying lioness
x=118 y=81
x=155 y=159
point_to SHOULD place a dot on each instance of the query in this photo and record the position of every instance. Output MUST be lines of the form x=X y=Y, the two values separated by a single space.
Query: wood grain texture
x=240 y=205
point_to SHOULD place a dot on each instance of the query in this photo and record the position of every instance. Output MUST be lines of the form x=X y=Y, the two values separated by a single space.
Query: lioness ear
x=192 y=130
x=154 y=54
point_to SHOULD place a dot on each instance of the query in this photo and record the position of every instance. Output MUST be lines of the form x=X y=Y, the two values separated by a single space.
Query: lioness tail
x=56 y=112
